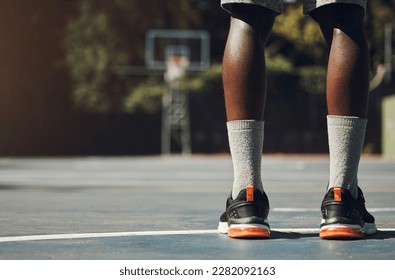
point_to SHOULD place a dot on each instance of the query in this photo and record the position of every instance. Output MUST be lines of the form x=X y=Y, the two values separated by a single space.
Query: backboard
x=192 y=44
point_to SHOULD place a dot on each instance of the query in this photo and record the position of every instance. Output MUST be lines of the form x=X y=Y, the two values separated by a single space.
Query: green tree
x=379 y=14
x=298 y=49
x=92 y=51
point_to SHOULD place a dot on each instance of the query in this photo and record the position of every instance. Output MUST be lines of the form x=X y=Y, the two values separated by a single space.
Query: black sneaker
x=246 y=216
x=345 y=217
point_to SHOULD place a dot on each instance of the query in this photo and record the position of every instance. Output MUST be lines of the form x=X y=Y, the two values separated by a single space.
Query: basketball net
x=176 y=67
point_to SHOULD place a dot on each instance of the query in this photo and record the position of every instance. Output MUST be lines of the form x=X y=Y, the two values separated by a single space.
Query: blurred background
x=73 y=79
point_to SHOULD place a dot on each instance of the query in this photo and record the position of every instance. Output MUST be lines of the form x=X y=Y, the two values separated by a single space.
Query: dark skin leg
x=244 y=74
x=348 y=65
x=244 y=64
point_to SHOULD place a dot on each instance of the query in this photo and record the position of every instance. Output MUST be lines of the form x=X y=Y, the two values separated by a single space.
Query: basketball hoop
x=176 y=67
x=175 y=52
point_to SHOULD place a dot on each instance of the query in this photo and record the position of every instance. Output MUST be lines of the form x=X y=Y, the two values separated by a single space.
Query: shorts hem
x=309 y=6
x=277 y=7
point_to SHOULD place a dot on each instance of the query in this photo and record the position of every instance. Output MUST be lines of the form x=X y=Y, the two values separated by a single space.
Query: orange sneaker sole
x=249 y=232
x=341 y=232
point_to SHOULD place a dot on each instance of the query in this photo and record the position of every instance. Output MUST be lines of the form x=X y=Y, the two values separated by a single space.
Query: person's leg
x=348 y=66
x=347 y=97
x=347 y=89
x=244 y=62
x=244 y=81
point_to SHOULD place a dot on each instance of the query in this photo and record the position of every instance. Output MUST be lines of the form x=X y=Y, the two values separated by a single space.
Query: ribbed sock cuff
x=347 y=121
x=244 y=124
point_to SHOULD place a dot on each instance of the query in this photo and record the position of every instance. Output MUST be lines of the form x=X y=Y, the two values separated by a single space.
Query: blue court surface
x=119 y=208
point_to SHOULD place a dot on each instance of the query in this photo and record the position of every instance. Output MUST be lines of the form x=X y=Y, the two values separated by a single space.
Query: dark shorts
x=277 y=5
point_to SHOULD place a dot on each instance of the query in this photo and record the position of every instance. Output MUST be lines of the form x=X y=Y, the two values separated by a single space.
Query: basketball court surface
x=167 y=207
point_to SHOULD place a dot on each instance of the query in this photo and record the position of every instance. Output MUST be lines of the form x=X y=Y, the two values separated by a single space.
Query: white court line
x=141 y=233
x=176 y=232
x=103 y=234
x=373 y=210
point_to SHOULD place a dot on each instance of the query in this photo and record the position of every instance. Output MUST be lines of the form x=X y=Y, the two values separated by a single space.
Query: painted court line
x=140 y=233
x=102 y=234
x=373 y=210
x=175 y=232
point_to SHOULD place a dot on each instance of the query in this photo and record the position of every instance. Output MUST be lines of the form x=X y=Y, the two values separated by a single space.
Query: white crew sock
x=245 y=141
x=346 y=137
